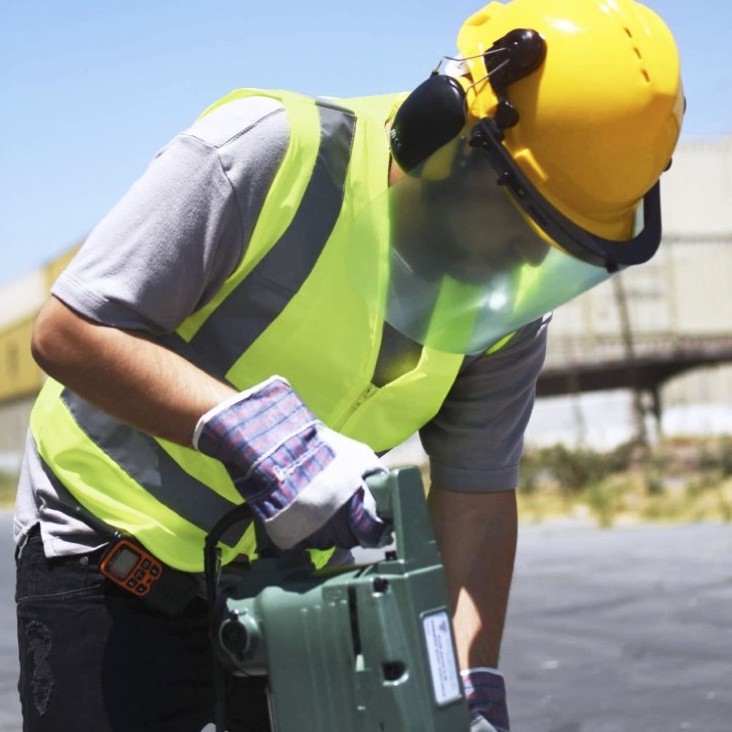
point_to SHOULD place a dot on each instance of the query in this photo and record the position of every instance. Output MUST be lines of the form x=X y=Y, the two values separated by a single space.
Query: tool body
x=361 y=648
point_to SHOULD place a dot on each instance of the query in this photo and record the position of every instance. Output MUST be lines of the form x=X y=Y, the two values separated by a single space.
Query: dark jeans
x=93 y=657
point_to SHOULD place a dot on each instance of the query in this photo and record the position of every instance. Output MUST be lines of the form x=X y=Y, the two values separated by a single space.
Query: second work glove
x=485 y=692
x=304 y=481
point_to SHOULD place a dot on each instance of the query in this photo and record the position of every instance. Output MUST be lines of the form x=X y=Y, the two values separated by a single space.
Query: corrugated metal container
x=19 y=374
x=695 y=192
x=683 y=293
x=684 y=290
x=701 y=291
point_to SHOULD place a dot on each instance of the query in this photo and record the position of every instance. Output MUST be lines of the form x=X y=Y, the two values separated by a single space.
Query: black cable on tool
x=212 y=571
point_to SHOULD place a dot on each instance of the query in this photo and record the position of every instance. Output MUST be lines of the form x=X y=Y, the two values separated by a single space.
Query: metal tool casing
x=363 y=649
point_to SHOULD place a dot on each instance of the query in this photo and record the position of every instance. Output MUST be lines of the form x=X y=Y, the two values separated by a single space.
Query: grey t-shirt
x=170 y=243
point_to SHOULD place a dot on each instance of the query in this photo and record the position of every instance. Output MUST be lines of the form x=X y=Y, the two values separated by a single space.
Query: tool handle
x=400 y=500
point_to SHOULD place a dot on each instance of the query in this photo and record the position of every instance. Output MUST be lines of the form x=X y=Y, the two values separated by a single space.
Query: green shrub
x=8 y=486
x=603 y=501
x=653 y=483
x=530 y=473
x=576 y=469
x=620 y=458
x=725 y=458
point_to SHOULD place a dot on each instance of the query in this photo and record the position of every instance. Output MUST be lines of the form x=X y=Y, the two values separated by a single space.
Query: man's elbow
x=53 y=345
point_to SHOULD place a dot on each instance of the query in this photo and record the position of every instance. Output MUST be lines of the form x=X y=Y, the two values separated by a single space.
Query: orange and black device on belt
x=130 y=566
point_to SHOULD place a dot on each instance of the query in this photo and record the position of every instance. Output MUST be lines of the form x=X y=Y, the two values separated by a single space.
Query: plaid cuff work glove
x=299 y=477
x=485 y=692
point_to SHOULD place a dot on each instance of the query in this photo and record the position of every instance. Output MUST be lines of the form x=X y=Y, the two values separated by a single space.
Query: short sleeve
x=475 y=441
x=182 y=228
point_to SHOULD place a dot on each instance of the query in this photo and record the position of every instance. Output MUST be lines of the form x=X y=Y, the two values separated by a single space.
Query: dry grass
x=622 y=500
x=677 y=481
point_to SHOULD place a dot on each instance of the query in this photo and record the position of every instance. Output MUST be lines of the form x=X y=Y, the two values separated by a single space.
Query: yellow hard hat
x=598 y=120
x=559 y=114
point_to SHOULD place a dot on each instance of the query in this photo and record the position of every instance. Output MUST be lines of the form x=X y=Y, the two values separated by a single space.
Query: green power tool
x=360 y=648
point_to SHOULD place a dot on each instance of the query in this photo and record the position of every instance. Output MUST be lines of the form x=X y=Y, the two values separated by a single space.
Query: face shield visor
x=464 y=250
x=459 y=262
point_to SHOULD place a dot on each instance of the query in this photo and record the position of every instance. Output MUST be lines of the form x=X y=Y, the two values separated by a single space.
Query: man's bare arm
x=477 y=534
x=125 y=373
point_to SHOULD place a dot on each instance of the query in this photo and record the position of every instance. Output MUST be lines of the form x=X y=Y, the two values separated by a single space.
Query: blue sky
x=92 y=88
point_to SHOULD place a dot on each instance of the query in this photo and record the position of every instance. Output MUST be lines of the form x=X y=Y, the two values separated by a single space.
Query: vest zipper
x=364 y=396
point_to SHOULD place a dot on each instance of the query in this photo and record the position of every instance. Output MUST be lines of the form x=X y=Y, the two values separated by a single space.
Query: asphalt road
x=626 y=630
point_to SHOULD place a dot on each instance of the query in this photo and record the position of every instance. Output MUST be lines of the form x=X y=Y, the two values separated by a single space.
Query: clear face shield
x=456 y=261
x=460 y=267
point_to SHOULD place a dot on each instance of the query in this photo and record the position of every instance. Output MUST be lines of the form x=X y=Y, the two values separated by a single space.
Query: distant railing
x=576 y=364
x=566 y=350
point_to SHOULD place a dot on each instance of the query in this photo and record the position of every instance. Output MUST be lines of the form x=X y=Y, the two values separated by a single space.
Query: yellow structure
x=20 y=377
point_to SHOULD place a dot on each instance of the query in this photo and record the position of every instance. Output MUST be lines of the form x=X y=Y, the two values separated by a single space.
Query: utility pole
x=626 y=333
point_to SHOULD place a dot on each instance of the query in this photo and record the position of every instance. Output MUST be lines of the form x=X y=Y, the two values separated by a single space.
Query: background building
x=676 y=308
x=680 y=301
x=20 y=378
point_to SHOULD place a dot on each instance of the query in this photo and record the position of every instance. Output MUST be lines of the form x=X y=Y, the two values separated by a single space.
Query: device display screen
x=123 y=562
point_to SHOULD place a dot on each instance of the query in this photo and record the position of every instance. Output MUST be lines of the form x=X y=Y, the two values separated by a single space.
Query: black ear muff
x=432 y=115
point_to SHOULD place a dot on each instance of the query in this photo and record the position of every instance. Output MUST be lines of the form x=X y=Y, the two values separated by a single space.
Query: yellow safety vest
x=290 y=309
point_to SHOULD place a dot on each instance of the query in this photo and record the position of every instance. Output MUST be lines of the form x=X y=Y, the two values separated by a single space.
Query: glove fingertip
x=368 y=528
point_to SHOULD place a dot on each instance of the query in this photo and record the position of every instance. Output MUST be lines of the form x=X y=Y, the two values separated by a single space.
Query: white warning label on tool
x=441 y=654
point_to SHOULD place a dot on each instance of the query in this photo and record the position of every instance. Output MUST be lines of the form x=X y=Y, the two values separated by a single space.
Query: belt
x=88 y=558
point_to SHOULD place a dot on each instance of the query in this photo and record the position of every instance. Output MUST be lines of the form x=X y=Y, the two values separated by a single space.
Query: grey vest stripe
x=147 y=463
x=249 y=310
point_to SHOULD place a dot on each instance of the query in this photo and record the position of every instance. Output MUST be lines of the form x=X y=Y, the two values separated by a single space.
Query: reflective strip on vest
x=141 y=457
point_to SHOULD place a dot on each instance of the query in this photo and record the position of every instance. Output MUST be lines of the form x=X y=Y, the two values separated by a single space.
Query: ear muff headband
x=436 y=112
